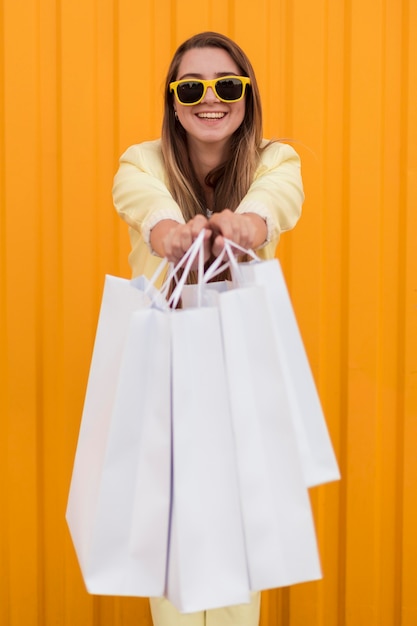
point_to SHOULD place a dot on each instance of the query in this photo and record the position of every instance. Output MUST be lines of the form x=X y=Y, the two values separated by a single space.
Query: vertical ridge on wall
x=333 y=252
x=409 y=389
x=386 y=431
x=39 y=337
x=344 y=199
x=4 y=531
x=390 y=337
x=4 y=565
x=21 y=308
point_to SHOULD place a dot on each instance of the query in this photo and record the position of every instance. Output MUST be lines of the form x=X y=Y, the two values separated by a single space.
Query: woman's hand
x=172 y=240
x=248 y=230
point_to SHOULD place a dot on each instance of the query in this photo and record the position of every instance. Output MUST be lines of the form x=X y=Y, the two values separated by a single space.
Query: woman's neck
x=205 y=157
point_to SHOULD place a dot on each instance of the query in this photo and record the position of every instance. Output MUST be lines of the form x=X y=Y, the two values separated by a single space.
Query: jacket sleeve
x=276 y=193
x=140 y=193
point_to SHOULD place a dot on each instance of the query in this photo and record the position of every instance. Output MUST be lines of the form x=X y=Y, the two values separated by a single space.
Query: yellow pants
x=165 y=614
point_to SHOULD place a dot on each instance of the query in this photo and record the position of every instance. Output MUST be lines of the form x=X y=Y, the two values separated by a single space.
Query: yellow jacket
x=142 y=199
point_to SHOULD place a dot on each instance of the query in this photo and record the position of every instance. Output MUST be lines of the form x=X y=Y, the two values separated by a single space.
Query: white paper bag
x=119 y=301
x=317 y=455
x=119 y=501
x=207 y=561
x=279 y=530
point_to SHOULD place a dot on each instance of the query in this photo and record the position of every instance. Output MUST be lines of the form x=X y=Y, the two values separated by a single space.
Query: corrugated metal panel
x=81 y=81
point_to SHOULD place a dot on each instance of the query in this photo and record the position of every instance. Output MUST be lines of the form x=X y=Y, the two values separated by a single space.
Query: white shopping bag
x=207 y=562
x=279 y=530
x=192 y=296
x=119 y=501
x=317 y=455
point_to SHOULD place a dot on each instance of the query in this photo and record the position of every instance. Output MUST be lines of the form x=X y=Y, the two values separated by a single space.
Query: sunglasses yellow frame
x=206 y=84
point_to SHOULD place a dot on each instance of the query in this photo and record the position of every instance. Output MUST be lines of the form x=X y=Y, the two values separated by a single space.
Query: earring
x=176 y=115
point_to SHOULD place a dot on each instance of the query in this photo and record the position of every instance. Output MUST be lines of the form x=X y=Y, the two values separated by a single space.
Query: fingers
x=179 y=239
x=234 y=226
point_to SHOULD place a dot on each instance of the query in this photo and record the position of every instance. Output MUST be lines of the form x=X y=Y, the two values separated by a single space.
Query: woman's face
x=211 y=121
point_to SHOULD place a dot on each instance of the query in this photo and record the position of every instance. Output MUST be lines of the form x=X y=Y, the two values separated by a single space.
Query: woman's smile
x=211 y=115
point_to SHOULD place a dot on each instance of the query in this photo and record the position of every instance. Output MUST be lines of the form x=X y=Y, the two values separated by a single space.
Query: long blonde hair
x=230 y=180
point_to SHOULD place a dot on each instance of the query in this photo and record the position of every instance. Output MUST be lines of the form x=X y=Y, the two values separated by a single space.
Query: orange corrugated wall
x=81 y=80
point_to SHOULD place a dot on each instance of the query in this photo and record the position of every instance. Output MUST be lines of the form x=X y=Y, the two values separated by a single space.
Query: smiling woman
x=210 y=170
x=211 y=161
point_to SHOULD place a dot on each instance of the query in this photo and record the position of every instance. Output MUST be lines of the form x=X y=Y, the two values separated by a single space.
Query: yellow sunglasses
x=191 y=91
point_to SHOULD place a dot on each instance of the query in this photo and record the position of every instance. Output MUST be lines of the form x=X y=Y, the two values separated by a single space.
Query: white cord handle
x=155 y=296
x=197 y=247
x=247 y=251
x=218 y=266
x=229 y=246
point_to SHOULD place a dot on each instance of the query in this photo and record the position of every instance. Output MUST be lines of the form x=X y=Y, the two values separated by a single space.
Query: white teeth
x=211 y=115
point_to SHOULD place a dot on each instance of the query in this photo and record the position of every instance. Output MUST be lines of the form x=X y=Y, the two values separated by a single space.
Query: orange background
x=80 y=81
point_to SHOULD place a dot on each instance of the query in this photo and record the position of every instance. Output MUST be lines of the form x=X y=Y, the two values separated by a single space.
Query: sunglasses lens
x=190 y=91
x=229 y=88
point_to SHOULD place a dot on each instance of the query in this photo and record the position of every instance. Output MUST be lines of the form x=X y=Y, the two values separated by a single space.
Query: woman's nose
x=210 y=95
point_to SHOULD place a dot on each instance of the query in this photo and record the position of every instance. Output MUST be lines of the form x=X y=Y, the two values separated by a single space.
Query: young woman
x=210 y=170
